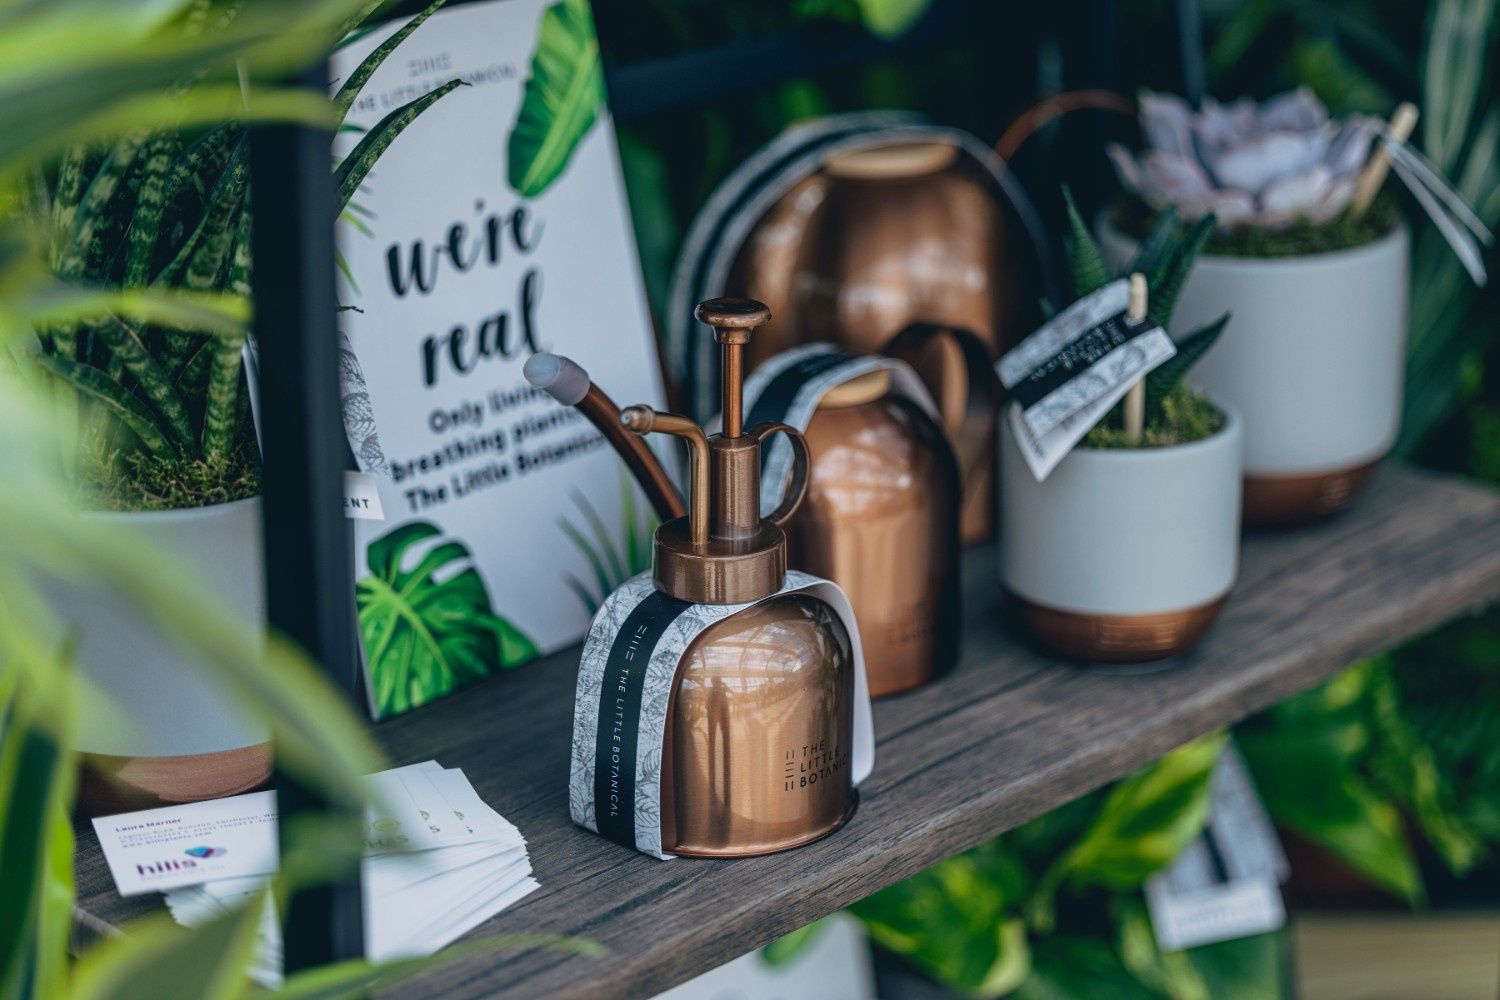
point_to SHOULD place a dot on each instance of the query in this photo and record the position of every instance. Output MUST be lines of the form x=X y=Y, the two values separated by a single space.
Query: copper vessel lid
x=915 y=159
x=723 y=551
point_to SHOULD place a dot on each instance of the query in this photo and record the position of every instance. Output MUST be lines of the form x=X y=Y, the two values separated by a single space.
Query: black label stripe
x=618 y=737
x=1078 y=356
x=781 y=392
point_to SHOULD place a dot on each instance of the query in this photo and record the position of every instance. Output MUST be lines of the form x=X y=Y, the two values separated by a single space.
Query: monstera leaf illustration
x=562 y=97
x=429 y=629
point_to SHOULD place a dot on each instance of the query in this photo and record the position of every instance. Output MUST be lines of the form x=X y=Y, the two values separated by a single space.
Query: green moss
x=1300 y=239
x=137 y=481
x=1184 y=417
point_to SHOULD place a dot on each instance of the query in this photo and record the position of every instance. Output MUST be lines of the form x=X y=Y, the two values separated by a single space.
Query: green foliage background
x=1388 y=768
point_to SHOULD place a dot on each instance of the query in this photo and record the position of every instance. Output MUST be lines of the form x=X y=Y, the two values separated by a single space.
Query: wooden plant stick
x=1135 y=399
x=1399 y=130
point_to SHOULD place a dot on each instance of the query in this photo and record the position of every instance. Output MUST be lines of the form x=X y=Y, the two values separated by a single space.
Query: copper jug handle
x=972 y=433
x=791 y=499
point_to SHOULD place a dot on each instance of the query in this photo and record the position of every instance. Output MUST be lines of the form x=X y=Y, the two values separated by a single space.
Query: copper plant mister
x=884 y=238
x=760 y=723
x=881 y=521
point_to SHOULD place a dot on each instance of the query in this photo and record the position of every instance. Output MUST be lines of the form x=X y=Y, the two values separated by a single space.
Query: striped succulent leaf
x=129 y=410
x=71 y=175
x=351 y=172
x=94 y=205
x=151 y=200
x=221 y=409
x=213 y=223
x=351 y=87
x=154 y=381
x=1085 y=260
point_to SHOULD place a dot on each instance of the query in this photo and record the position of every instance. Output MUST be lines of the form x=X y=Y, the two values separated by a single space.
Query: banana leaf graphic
x=425 y=636
x=562 y=98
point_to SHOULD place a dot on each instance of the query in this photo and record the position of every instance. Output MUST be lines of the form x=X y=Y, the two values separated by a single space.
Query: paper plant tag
x=625 y=680
x=1225 y=884
x=362 y=496
x=1067 y=375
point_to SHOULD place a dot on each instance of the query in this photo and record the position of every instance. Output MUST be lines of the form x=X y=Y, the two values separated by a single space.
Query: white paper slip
x=1225 y=883
x=1065 y=377
x=159 y=849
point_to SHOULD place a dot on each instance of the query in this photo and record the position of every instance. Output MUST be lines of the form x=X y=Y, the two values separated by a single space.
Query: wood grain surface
x=1008 y=735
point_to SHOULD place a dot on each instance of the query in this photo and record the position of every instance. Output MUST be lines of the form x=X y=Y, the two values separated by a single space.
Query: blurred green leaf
x=890 y=18
x=787 y=947
x=159 y=959
x=561 y=100
x=1069 y=968
x=1147 y=819
x=956 y=921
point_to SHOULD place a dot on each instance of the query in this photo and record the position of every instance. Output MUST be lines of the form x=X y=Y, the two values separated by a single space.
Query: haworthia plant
x=562 y=98
x=1166 y=257
x=167 y=211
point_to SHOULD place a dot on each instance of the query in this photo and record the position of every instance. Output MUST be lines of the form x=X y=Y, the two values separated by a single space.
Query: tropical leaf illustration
x=426 y=636
x=612 y=561
x=562 y=98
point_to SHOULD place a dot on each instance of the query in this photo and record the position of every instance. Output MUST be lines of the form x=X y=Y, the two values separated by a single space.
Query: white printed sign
x=500 y=506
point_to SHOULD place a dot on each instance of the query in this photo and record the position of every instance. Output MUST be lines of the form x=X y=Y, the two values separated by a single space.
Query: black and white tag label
x=1226 y=883
x=625 y=680
x=1067 y=375
x=362 y=496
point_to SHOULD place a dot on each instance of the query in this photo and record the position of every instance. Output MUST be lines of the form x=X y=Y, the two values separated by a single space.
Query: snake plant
x=170 y=210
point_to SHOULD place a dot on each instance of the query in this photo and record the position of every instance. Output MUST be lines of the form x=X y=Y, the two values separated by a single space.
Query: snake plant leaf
x=71 y=175
x=350 y=88
x=93 y=208
x=155 y=382
x=126 y=408
x=1085 y=259
x=1190 y=350
x=352 y=169
x=561 y=101
x=424 y=636
x=204 y=246
x=151 y=200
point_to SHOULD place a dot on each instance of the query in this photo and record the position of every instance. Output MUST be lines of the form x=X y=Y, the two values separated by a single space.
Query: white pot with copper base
x=1123 y=555
x=155 y=727
x=1315 y=365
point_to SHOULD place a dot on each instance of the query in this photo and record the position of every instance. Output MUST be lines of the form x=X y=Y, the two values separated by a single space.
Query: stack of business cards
x=438 y=861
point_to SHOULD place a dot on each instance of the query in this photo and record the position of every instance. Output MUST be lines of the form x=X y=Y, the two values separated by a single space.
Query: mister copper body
x=881 y=521
x=758 y=745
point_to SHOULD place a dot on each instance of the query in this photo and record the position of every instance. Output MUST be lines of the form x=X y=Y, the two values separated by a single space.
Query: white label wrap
x=625 y=678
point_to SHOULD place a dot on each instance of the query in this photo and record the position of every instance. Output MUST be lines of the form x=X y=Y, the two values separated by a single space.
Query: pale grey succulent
x=1264 y=165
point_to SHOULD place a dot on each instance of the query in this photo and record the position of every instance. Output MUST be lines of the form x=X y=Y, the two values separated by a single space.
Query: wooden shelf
x=1009 y=735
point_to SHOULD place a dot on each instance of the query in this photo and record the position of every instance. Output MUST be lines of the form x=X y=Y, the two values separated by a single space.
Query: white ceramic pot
x=1123 y=554
x=153 y=724
x=1313 y=360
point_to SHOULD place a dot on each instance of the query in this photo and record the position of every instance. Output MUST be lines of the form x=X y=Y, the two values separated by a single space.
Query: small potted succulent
x=156 y=423
x=1314 y=269
x=1127 y=551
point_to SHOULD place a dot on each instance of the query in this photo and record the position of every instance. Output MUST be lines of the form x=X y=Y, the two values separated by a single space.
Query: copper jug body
x=759 y=733
x=903 y=235
x=880 y=520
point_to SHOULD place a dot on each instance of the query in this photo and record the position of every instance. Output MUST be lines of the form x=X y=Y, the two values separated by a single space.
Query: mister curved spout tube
x=565 y=381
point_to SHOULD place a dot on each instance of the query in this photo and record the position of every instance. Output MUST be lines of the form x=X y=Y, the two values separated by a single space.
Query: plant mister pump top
x=723 y=551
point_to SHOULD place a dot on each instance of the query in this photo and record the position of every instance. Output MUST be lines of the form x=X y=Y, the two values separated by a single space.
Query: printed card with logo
x=159 y=849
